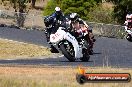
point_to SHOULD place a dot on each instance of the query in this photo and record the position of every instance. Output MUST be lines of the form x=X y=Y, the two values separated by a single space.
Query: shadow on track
x=61 y=61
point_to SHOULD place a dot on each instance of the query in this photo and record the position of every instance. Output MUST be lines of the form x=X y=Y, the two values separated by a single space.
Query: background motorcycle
x=129 y=33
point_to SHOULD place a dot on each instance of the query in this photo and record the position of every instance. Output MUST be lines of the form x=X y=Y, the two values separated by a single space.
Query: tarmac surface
x=107 y=51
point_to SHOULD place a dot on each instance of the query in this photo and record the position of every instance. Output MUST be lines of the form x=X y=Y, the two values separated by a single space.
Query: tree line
x=91 y=9
x=87 y=9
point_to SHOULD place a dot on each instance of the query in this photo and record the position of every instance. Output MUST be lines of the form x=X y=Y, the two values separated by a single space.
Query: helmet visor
x=58 y=12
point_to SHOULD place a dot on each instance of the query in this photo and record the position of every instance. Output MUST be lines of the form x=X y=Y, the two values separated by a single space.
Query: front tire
x=86 y=52
x=88 y=46
x=129 y=38
x=90 y=52
x=70 y=57
x=86 y=56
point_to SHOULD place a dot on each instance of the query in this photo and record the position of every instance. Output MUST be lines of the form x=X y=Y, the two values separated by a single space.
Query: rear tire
x=70 y=57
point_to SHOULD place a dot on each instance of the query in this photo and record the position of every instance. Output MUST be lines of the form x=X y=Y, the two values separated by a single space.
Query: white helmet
x=129 y=17
x=57 y=9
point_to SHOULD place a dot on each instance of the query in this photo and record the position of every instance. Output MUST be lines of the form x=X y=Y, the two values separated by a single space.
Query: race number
x=55 y=36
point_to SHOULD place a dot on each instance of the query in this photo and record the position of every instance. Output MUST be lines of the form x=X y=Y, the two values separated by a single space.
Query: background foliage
x=92 y=10
x=121 y=8
x=82 y=7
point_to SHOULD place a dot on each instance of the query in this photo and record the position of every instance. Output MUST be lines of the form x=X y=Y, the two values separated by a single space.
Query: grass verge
x=12 y=50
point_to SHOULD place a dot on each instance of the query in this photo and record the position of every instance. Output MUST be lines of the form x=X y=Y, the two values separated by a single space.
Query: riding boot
x=53 y=49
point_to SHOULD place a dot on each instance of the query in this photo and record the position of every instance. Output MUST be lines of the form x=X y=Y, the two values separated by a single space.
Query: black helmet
x=73 y=17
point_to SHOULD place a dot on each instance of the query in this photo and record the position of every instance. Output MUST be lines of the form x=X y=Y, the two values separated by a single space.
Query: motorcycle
x=68 y=45
x=64 y=41
x=81 y=29
x=129 y=33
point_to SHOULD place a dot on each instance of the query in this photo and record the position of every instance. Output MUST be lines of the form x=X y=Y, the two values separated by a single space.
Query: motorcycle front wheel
x=68 y=53
x=129 y=38
x=86 y=52
x=86 y=56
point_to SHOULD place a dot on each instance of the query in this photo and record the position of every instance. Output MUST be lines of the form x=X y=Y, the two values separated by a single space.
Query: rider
x=52 y=21
x=76 y=22
x=128 y=21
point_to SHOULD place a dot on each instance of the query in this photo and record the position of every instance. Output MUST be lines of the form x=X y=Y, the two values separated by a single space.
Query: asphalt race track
x=107 y=51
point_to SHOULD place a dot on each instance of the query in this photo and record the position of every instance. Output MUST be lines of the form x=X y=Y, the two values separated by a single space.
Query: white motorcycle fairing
x=62 y=35
x=77 y=49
